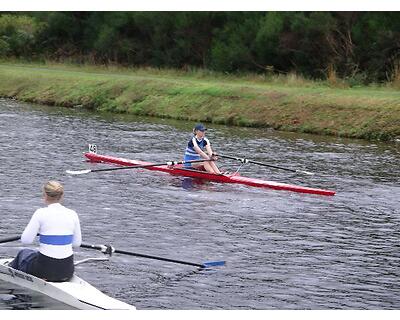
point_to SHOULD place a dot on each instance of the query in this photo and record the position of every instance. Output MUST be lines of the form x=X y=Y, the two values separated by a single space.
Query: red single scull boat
x=235 y=178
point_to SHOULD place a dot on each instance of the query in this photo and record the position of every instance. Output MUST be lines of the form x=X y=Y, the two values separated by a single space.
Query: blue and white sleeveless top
x=190 y=153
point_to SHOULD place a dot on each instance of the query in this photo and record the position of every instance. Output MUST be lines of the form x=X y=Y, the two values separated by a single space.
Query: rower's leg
x=24 y=259
x=198 y=166
x=211 y=167
x=215 y=168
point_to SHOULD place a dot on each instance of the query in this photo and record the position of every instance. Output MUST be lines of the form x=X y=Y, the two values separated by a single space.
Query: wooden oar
x=10 y=239
x=244 y=160
x=167 y=163
x=109 y=250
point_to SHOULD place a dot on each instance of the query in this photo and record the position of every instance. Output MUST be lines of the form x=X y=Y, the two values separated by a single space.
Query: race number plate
x=92 y=148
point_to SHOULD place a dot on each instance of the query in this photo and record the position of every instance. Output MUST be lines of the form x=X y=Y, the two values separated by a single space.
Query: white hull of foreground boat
x=76 y=293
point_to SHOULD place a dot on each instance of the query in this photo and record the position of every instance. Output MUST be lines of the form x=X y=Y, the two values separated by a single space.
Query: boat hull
x=76 y=293
x=180 y=171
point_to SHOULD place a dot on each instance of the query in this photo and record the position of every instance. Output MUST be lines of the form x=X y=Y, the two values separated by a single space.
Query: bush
x=17 y=35
x=4 y=48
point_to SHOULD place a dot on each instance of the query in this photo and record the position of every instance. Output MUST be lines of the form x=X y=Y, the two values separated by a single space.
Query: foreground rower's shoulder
x=71 y=211
x=40 y=212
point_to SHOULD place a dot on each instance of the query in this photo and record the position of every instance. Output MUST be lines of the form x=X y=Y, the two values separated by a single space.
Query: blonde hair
x=54 y=190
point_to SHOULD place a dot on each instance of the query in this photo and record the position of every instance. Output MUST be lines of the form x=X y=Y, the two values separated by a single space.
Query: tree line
x=360 y=46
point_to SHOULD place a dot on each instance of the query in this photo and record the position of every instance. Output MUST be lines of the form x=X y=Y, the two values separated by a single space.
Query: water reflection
x=192 y=183
x=16 y=301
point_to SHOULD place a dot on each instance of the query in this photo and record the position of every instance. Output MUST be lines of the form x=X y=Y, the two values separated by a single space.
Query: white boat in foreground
x=76 y=293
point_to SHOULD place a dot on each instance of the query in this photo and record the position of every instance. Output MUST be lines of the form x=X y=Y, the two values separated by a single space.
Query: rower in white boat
x=50 y=270
x=59 y=230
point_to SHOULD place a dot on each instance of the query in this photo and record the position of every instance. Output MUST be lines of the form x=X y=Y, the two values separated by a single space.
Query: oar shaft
x=271 y=166
x=159 y=258
x=10 y=239
x=101 y=248
x=244 y=160
x=168 y=163
x=130 y=167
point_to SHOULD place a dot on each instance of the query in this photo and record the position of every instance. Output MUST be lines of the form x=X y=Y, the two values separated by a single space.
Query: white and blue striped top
x=59 y=230
x=190 y=152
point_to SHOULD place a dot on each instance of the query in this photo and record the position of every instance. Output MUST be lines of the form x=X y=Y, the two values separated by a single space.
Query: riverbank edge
x=372 y=114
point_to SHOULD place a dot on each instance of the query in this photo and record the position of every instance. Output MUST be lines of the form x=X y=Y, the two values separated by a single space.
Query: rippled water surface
x=283 y=250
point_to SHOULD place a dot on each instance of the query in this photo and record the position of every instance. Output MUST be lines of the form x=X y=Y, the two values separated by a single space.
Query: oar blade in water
x=210 y=264
x=305 y=172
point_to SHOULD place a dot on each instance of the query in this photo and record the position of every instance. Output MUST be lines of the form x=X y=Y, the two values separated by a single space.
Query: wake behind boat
x=181 y=171
x=76 y=293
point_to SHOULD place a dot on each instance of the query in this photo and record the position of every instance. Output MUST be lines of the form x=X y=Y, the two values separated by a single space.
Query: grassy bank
x=290 y=104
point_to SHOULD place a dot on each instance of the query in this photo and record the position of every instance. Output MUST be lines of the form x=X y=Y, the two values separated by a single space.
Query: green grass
x=286 y=103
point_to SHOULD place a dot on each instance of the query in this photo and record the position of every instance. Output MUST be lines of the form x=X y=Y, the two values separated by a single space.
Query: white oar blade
x=305 y=172
x=78 y=171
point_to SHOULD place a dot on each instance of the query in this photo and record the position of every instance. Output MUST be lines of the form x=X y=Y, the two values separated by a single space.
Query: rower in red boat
x=196 y=148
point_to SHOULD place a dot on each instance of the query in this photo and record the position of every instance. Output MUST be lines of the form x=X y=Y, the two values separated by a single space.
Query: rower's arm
x=31 y=230
x=77 y=238
x=209 y=150
x=198 y=150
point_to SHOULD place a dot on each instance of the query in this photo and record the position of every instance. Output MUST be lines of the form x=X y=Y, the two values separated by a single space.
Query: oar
x=110 y=250
x=167 y=163
x=10 y=239
x=244 y=160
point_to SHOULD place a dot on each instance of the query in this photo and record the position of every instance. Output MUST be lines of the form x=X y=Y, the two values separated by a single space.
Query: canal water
x=283 y=250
